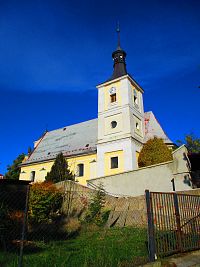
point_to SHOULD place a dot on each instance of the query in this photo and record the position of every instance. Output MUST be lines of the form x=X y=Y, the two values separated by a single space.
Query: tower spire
x=119 y=57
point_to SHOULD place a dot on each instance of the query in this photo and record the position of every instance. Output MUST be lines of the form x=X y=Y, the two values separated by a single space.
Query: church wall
x=42 y=168
x=107 y=162
x=89 y=162
x=134 y=183
x=124 y=148
x=154 y=178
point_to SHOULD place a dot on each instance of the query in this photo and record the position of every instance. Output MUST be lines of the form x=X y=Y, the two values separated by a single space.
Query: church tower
x=120 y=119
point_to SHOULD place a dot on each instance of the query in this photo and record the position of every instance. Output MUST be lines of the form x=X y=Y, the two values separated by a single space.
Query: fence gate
x=173 y=223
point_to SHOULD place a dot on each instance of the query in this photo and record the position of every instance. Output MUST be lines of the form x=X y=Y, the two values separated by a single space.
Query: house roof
x=81 y=138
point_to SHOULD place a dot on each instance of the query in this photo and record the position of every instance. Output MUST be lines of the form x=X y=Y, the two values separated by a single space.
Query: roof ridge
x=60 y=128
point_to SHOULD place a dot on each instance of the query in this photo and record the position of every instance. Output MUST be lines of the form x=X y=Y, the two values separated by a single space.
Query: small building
x=1 y=176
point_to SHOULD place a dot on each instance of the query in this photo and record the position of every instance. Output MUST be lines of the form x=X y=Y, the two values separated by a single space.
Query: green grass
x=123 y=247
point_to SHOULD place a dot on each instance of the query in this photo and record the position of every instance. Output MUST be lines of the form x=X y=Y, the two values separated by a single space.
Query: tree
x=153 y=152
x=14 y=169
x=96 y=212
x=192 y=143
x=59 y=171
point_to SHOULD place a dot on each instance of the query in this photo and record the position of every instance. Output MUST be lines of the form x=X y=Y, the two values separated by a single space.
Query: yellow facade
x=107 y=162
x=89 y=162
x=41 y=169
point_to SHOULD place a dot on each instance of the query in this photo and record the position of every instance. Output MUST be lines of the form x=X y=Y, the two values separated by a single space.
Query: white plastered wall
x=124 y=136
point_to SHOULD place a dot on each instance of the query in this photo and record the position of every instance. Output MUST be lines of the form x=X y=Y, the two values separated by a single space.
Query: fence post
x=24 y=227
x=178 y=221
x=173 y=184
x=151 y=236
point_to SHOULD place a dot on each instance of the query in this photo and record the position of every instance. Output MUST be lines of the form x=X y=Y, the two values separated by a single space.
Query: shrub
x=45 y=202
x=96 y=211
x=153 y=152
x=72 y=226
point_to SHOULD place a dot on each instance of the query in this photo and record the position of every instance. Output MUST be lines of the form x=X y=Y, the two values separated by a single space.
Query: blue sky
x=54 y=53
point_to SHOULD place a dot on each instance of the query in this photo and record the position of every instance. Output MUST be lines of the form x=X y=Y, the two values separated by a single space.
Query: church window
x=135 y=97
x=114 y=162
x=113 y=124
x=137 y=126
x=113 y=98
x=80 y=170
x=32 y=176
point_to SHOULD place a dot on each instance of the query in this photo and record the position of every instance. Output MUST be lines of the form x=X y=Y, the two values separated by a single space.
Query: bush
x=96 y=211
x=45 y=203
x=72 y=227
x=153 y=152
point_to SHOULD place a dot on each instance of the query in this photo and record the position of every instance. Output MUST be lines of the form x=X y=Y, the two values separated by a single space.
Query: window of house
x=113 y=124
x=32 y=176
x=137 y=126
x=80 y=170
x=114 y=162
x=113 y=98
x=135 y=97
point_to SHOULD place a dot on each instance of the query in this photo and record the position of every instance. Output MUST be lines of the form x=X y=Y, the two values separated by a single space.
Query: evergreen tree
x=59 y=171
x=153 y=152
x=96 y=212
x=13 y=171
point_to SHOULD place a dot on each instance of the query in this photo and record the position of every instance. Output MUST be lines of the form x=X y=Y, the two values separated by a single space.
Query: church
x=107 y=145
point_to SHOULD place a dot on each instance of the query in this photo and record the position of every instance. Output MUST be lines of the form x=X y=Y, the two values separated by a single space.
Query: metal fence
x=13 y=214
x=27 y=238
x=173 y=223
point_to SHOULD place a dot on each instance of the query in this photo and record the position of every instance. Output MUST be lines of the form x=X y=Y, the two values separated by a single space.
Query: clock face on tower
x=112 y=90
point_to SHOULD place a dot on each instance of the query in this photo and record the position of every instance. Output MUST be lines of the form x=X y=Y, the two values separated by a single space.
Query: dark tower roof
x=119 y=57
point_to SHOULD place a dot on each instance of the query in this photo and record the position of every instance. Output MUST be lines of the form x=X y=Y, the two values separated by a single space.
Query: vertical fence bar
x=151 y=236
x=178 y=222
x=24 y=227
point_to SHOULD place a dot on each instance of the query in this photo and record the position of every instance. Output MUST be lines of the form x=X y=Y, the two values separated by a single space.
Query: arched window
x=113 y=98
x=32 y=176
x=80 y=170
x=135 y=98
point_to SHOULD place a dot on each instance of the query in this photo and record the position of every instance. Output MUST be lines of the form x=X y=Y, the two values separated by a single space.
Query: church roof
x=75 y=139
x=153 y=128
x=81 y=138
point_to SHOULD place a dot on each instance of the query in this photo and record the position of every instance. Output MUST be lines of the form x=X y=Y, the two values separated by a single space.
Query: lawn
x=122 y=247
